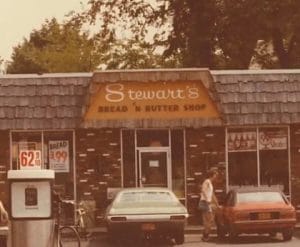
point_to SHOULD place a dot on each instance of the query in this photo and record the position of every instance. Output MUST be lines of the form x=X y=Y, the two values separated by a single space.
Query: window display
x=273 y=157
x=258 y=156
x=46 y=150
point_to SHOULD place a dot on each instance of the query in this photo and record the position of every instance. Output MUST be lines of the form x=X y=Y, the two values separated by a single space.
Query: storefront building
x=106 y=130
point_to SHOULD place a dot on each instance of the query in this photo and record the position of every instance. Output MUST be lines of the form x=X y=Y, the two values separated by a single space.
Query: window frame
x=258 y=128
x=42 y=133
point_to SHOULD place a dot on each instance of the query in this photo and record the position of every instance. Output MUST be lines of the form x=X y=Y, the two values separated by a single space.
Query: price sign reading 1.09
x=30 y=159
x=59 y=155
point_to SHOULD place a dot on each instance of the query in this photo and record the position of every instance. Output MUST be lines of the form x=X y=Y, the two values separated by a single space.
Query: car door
x=228 y=207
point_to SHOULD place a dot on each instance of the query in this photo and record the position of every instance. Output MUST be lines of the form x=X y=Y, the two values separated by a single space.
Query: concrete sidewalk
x=189 y=229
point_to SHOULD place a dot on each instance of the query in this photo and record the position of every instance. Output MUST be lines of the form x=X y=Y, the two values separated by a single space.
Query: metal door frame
x=151 y=150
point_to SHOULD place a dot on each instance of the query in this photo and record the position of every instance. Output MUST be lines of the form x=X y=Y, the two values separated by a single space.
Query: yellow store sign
x=155 y=100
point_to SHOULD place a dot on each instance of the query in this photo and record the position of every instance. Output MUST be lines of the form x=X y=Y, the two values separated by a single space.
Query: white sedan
x=146 y=213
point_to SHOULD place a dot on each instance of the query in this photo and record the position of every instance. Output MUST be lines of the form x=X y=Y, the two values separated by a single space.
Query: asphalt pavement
x=193 y=239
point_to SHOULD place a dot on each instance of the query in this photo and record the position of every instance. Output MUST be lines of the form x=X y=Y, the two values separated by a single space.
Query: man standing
x=206 y=200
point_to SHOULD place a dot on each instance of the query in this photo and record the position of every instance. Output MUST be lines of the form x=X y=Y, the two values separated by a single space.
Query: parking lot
x=194 y=239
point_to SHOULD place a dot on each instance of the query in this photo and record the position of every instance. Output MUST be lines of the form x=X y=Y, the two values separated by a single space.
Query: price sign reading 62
x=30 y=159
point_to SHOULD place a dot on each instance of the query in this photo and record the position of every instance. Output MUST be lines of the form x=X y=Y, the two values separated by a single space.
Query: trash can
x=31 y=213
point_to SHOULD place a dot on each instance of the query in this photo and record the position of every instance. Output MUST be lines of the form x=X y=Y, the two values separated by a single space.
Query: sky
x=19 y=17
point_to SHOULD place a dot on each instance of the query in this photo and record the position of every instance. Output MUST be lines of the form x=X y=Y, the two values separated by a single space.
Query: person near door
x=207 y=201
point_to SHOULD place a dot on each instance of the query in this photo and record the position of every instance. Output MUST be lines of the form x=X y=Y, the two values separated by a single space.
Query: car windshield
x=145 y=196
x=265 y=196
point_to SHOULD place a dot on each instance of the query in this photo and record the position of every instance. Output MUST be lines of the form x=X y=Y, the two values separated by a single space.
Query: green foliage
x=130 y=34
x=133 y=54
x=54 y=48
x=1 y=62
x=214 y=33
x=65 y=48
x=243 y=25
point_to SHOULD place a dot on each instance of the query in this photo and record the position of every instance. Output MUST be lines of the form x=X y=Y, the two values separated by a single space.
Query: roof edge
x=255 y=72
x=151 y=70
x=46 y=75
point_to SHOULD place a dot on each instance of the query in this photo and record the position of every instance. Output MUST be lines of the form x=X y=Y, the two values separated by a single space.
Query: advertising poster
x=241 y=141
x=273 y=140
x=59 y=156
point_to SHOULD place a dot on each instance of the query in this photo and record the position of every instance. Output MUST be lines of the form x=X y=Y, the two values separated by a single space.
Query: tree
x=54 y=48
x=244 y=23
x=133 y=54
x=1 y=62
x=66 y=48
x=214 y=33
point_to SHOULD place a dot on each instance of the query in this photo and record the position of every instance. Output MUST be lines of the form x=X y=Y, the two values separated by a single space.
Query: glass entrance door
x=154 y=167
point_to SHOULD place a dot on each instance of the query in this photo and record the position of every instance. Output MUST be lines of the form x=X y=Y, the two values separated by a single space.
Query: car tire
x=272 y=234
x=232 y=235
x=221 y=231
x=179 y=237
x=287 y=234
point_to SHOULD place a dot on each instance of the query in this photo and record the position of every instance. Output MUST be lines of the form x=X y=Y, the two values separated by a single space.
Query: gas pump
x=30 y=208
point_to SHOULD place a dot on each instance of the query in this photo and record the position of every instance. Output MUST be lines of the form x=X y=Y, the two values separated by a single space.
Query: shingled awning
x=60 y=101
x=259 y=97
x=49 y=101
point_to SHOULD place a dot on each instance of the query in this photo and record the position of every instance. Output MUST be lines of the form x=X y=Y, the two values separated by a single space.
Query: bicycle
x=82 y=215
x=65 y=233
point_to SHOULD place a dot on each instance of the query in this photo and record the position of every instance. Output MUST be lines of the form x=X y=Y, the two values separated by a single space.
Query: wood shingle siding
x=50 y=101
x=61 y=100
x=259 y=97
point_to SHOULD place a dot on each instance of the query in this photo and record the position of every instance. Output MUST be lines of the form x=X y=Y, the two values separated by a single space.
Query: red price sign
x=58 y=155
x=30 y=159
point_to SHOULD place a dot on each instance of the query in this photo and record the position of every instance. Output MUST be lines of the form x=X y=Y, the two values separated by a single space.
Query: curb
x=189 y=229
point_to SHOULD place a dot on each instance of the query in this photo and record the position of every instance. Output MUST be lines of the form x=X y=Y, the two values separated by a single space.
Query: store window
x=152 y=138
x=242 y=157
x=258 y=156
x=46 y=150
x=273 y=157
x=23 y=145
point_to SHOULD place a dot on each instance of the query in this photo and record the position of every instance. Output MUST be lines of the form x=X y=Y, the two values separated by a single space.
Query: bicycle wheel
x=68 y=237
x=80 y=224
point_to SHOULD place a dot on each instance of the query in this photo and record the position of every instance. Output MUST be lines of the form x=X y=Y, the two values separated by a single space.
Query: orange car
x=255 y=210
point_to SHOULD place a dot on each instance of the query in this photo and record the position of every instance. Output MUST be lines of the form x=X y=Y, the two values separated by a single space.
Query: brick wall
x=4 y=165
x=205 y=148
x=295 y=166
x=98 y=163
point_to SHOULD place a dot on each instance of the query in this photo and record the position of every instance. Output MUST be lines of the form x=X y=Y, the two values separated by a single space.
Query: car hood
x=148 y=208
